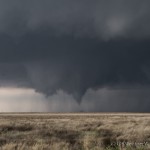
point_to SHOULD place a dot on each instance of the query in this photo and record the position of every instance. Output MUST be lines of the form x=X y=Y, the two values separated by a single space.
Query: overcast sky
x=75 y=55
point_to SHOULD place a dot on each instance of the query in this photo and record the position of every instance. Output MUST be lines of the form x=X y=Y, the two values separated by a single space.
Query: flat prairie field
x=74 y=131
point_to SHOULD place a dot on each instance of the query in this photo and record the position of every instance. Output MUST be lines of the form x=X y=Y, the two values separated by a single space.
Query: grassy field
x=77 y=131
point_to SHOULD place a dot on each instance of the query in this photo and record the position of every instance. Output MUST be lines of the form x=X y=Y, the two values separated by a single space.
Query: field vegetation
x=74 y=131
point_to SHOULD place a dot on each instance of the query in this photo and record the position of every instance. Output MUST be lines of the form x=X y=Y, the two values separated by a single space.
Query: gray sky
x=87 y=55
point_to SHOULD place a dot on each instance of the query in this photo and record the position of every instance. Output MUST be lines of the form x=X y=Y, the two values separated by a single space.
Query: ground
x=74 y=131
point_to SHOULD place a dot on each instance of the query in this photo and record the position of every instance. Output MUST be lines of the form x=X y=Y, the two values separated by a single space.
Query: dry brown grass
x=95 y=131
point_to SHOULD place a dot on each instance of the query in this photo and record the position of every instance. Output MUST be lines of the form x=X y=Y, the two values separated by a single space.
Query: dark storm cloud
x=13 y=74
x=75 y=65
x=103 y=19
x=126 y=100
x=75 y=45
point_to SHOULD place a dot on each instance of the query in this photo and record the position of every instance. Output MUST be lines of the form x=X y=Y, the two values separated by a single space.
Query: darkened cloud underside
x=74 y=65
x=74 y=45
